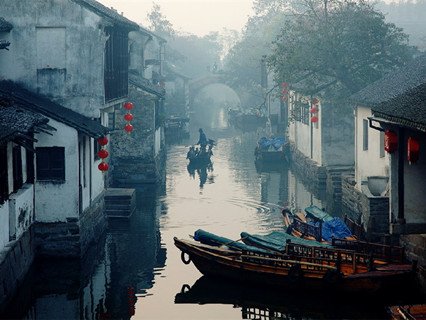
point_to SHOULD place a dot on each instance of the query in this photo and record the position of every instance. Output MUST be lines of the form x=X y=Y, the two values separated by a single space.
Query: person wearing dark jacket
x=202 y=141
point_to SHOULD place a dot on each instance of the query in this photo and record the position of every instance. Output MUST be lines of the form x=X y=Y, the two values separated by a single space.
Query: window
x=51 y=47
x=51 y=163
x=4 y=187
x=382 y=144
x=17 y=168
x=364 y=134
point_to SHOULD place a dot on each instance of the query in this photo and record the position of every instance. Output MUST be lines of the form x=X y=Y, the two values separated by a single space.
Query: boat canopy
x=267 y=143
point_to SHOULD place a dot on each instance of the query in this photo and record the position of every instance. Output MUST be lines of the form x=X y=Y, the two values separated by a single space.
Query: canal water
x=136 y=271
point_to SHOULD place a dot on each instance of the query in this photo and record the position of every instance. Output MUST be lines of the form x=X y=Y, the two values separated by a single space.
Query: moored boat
x=301 y=267
x=271 y=150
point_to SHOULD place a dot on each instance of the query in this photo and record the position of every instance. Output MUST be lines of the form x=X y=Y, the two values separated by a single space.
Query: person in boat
x=210 y=152
x=191 y=153
x=202 y=141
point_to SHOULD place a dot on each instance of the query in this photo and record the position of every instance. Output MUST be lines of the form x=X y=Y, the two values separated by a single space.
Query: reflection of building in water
x=274 y=187
x=299 y=197
x=133 y=266
x=103 y=285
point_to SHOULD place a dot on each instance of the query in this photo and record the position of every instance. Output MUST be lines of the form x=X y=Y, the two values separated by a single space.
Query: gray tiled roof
x=394 y=84
x=15 y=121
x=39 y=104
x=4 y=25
x=407 y=109
x=145 y=85
x=99 y=8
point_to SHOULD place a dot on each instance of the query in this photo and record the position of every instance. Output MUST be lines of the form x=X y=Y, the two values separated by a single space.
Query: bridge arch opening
x=210 y=105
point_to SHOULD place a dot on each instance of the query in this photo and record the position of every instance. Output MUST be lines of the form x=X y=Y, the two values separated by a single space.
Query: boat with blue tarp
x=271 y=150
x=315 y=224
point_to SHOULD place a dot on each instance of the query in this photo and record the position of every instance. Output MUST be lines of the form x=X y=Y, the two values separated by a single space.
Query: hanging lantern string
x=128 y=117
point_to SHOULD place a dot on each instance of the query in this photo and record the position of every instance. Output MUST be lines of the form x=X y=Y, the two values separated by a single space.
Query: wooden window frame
x=50 y=164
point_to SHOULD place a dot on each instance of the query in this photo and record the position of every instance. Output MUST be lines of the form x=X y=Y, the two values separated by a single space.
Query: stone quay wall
x=71 y=239
x=362 y=207
x=334 y=187
x=314 y=175
x=15 y=261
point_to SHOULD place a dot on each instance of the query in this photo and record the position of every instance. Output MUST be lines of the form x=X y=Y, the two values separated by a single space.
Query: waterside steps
x=120 y=202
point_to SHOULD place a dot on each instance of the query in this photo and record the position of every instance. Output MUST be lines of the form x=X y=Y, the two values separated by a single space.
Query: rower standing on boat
x=202 y=141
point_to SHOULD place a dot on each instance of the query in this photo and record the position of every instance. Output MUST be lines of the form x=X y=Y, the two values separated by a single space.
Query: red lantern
x=128 y=128
x=103 y=154
x=314 y=109
x=314 y=119
x=103 y=141
x=413 y=148
x=103 y=166
x=128 y=117
x=391 y=141
x=315 y=101
x=128 y=106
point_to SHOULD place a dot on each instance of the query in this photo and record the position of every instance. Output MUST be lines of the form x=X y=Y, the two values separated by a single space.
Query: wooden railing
x=378 y=251
x=307 y=229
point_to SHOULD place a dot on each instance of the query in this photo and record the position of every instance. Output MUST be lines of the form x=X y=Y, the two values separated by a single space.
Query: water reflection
x=263 y=303
x=204 y=173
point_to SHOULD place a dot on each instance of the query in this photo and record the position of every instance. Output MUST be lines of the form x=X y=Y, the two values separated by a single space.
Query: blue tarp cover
x=335 y=228
x=266 y=143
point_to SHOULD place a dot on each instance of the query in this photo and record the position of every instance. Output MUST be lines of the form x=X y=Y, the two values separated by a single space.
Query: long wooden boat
x=302 y=267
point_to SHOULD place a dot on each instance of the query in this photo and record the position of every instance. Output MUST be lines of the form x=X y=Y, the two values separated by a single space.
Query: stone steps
x=120 y=202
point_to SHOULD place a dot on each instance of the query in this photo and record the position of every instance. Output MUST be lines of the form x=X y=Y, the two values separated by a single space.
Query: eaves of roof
x=106 y=12
x=17 y=124
x=408 y=108
x=145 y=85
x=40 y=104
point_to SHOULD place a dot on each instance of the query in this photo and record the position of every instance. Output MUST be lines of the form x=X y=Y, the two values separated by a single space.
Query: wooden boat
x=316 y=224
x=301 y=267
x=271 y=151
x=408 y=312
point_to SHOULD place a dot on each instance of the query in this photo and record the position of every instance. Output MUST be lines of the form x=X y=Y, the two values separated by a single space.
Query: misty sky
x=194 y=16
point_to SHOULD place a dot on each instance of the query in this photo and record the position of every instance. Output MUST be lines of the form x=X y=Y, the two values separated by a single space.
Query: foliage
x=243 y=62
x=201 y=53
x=337 y=47
x=159 y=23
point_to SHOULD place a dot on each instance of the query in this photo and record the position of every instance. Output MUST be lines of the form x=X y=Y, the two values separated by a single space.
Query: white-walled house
x=67 y=201
x=398 y=109
x=321 y=141
x=17 y=249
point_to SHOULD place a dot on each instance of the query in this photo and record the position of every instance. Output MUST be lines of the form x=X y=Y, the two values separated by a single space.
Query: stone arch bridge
x=196 y=85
